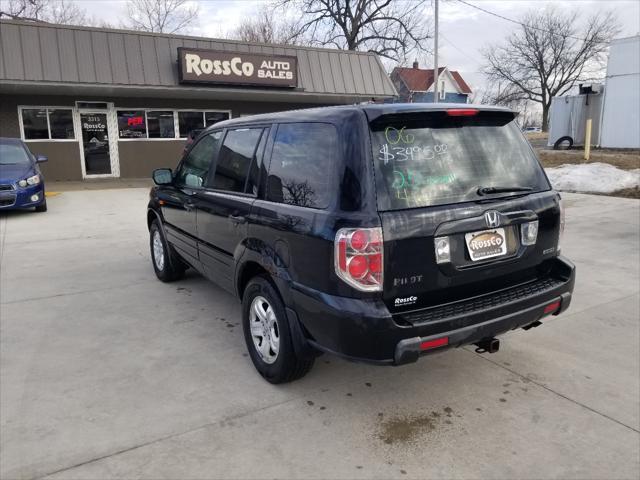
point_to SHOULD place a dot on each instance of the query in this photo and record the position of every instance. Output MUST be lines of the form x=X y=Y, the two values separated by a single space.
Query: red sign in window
x=135 y=121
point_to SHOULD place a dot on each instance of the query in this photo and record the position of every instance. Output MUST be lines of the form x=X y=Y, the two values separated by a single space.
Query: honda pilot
x=379 y=233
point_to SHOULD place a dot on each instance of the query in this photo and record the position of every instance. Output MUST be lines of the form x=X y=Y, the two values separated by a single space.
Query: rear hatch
x=463 y=182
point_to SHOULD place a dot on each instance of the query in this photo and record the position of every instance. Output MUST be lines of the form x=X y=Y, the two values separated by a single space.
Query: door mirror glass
x=41 y=158
x=162 y=176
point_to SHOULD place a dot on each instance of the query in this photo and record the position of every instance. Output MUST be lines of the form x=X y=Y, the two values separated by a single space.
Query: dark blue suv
x=21 y=182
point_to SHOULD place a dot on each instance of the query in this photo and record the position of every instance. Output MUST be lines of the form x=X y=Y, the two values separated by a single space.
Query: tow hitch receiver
x=489 y=345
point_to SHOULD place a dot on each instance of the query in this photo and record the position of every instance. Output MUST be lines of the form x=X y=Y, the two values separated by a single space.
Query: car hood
x=14 y=173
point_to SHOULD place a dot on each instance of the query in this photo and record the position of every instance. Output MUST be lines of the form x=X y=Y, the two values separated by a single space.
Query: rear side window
x=434 y=159
x=235 y=158
x=302 y=164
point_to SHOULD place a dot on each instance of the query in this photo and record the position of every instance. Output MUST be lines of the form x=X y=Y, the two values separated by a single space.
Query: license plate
x=486 y=244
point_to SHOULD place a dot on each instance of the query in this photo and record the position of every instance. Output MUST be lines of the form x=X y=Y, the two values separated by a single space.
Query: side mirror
x=162 y=176
x=41 y=158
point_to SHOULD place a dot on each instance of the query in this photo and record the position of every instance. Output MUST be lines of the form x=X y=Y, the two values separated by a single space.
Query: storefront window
x=61 y=123
x=35 y=125
x=214 y=117
x=188 y=121
x=132 y=124
x=160 y=124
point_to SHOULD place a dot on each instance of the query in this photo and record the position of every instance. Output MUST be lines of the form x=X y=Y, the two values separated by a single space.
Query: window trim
x=47 y=108
x=176 y=125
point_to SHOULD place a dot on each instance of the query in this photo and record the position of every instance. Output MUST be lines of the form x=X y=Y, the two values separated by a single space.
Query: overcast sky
x=463 y=29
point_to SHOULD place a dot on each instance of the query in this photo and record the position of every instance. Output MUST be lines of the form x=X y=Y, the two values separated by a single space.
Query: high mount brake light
x=358 y=257
x=462 y=112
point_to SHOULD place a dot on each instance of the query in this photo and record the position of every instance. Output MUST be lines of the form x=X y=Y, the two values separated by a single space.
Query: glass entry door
x=95 y=143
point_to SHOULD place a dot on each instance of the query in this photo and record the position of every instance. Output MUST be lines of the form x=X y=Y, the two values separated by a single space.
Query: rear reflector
x=552 y=307
x=462 y=112
x=438 y=342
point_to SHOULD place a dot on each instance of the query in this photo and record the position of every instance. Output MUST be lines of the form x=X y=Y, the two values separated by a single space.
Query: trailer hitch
x=488 y=345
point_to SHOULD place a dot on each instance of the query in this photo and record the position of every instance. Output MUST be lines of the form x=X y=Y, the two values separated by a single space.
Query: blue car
x=21 y=182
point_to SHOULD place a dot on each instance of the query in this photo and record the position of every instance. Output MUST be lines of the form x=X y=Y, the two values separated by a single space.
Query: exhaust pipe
x=489 y=345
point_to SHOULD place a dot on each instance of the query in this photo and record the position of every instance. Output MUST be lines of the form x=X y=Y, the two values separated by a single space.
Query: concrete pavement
x=106 y=372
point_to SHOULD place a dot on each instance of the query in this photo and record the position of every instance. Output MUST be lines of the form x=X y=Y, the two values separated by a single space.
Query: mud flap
x=301 y=345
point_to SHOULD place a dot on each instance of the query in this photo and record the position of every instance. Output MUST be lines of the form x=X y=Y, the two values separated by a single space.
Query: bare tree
x=267 y=27
x=68 y=13
x=50 y=11
x=391 y=28
x=548 y=55
x=162 y=16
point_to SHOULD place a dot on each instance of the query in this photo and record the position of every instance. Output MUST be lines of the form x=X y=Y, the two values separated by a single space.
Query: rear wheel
x=268 y=336
x=167 y=265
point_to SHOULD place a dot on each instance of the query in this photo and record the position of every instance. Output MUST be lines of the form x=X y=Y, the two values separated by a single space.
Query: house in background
x=416 y=85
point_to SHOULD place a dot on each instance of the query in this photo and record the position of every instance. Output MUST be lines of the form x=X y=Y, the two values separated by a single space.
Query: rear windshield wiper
x=490 y=190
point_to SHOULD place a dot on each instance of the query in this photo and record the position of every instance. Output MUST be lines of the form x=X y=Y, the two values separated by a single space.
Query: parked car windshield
x=434 y=159
x=11 y=154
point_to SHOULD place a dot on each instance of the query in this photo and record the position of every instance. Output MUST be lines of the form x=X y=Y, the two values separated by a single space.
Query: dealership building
x=116 y=103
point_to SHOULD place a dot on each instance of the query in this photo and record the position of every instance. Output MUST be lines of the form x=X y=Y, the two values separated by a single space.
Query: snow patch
x=592 y=177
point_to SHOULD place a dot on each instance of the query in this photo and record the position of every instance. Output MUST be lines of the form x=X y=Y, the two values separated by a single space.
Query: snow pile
x=592 y=177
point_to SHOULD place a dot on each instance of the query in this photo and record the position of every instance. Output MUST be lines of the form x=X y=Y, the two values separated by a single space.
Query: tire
x=559 y=143
x=277 y=361
x=166 y=264
x=42 y=207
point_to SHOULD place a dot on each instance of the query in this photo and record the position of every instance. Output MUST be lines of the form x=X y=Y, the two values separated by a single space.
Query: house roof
x=420 y=80
x=86 y=57
x=460 y=81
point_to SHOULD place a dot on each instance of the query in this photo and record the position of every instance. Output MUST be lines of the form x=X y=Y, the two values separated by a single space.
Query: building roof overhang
x=179 y=92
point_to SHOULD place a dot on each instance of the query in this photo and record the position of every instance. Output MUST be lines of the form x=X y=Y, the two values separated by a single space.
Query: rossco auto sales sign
x=211 y=66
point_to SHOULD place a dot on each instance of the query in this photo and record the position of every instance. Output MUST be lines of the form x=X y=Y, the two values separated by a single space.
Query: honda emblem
x=492 y=218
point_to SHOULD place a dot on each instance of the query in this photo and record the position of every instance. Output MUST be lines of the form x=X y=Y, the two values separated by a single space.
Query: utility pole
x=435 y=58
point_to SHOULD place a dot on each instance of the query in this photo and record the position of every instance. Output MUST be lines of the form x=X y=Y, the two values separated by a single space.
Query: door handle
x=189 y=206
x=239 y=219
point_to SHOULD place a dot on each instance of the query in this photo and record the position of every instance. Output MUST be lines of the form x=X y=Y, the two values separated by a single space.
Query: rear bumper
x=365 y=330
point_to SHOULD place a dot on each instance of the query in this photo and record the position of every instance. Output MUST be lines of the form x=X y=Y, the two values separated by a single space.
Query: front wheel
x=267 y=334
x=165 y=262
x=42 y=207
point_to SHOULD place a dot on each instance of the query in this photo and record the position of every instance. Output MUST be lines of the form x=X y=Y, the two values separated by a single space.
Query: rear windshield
x=434 y=159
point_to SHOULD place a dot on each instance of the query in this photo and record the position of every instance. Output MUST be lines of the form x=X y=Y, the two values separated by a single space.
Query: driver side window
x=195 y=166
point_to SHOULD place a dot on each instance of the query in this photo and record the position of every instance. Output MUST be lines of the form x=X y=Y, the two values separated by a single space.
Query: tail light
x=561 y=233
x=358 y=257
